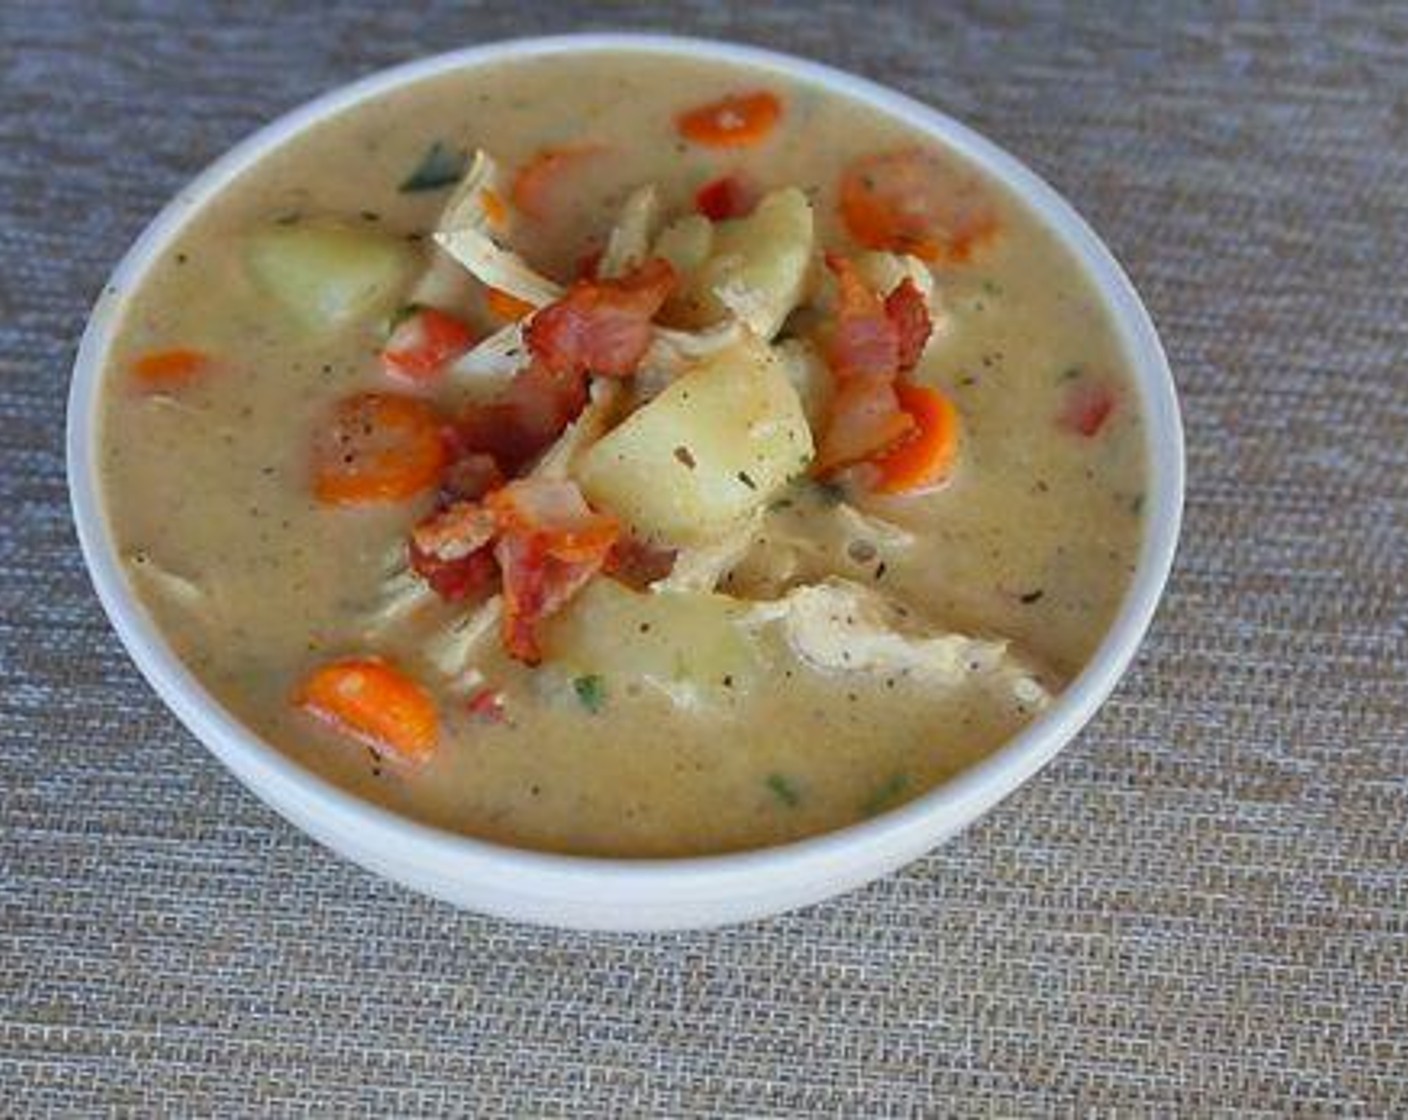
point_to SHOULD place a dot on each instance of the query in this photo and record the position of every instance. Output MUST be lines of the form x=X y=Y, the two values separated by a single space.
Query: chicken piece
x=840 y=626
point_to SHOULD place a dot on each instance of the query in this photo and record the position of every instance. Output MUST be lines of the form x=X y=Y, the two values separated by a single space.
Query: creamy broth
x=1032 y=539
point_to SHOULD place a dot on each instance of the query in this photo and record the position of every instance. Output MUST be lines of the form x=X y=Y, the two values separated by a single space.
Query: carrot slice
x=423 y=343
x=507 y=307
x=378 y=447
x=376 y=703
x=737 y=121
x=534 y=184
x=163 y=370
x=925 y=457
x=910 y=201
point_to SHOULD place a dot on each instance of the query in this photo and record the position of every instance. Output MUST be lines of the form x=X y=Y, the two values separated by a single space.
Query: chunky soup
x=619 y=454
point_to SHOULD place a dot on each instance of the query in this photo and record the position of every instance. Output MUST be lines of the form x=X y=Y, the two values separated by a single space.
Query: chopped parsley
x=439 y=167
x=591 y=692
x=886 y=795
x=784 y=790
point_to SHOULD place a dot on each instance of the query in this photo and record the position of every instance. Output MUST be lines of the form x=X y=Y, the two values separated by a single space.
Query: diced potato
x=686 y=243
x=713 y=446
x=758 y=267
x=327 y=276
x=689 y=645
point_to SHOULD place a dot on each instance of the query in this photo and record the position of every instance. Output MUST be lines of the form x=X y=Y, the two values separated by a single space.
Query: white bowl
x=591 y=893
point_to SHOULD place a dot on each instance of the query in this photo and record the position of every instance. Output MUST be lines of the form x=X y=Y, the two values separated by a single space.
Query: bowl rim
x=345 y=821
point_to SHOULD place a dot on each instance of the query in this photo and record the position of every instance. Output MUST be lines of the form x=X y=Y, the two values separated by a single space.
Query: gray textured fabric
x=1201 y=906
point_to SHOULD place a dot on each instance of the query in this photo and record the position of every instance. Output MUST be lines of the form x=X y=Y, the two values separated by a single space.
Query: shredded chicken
x=171 y=586
x=450 y=648
x=629 y=243
x=401 y=594
x=841 y=626
x=471 y=226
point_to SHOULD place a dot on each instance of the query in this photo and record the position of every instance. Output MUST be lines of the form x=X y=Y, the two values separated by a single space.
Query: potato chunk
x=712 y=447
x=757 y=267
x=326 y=275
x=689 y=645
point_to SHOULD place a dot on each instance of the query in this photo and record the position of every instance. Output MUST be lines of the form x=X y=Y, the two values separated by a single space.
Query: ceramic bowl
x=623 y=894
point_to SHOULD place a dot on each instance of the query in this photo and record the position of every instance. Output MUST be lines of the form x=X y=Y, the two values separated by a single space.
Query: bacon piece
x=551 y=545
x=865 y=419
x=908 y=311
x=455 y=531
x=589 y=263
x=455 y=580
x=451 y=550
x=469 y=476
x=865 y=341
x=524 y=421
x=601 y=326
x=874 y=342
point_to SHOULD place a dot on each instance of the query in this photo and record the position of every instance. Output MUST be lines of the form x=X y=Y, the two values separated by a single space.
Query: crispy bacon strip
x=524 y=421
x=598 y=327
x=551 y=544
x=456 y=580
x=908 y=312
x=865 y=419
x=601 y=326
x=865 y=341
x=874 y=343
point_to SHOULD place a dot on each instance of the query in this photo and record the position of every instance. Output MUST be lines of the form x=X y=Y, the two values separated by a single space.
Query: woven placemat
x=1202 y=906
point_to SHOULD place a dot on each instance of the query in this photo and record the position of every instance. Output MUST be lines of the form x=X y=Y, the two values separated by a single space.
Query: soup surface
x=623 y=455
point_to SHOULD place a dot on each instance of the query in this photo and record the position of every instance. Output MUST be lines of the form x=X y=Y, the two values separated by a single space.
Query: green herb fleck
x=886 y=795
x=992 y=287
x=1136 y=504
x=439 y=167
x=591 y=692
x=784 y=790
x=1070 y=373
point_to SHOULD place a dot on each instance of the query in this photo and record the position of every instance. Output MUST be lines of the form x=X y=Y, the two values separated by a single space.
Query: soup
x=617 y=454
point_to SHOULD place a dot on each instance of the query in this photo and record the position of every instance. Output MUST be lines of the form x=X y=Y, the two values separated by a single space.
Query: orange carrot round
x=926 y=456
x=910 y=201
x=377 y=447
x=164 y=370
x=376 y=703
x=737 y=121
x=533 y=184
x=507 y=307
